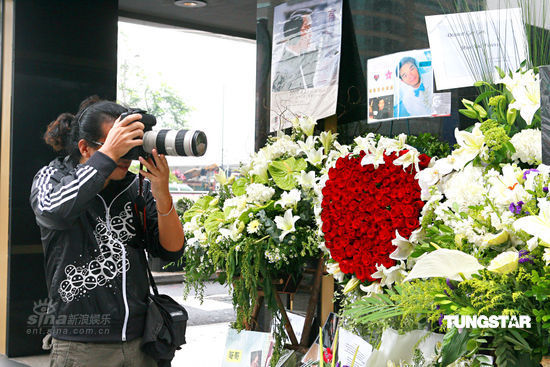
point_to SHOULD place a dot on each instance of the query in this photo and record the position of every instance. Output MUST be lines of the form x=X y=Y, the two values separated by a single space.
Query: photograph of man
x=296 y=67
x=384 y=107
x=415 y=88
x=256 y=358
x=381 y=107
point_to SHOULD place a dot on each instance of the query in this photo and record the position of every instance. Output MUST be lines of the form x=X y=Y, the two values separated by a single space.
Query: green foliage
x=136 y=90
x=182 y=205
x=283 y=172
x=410 y=302
x=429 y=145
x=455 y=345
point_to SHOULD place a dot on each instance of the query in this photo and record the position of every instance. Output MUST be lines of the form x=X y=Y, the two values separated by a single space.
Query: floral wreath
x=371 y=197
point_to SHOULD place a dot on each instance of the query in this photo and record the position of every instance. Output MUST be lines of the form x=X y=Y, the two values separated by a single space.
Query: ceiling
x=230 y=17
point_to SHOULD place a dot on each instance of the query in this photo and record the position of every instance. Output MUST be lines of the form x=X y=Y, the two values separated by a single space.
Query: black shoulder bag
x=166 y=319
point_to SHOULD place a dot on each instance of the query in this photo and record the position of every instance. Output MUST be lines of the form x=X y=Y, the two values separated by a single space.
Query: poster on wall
x=400 y=85
x=305 y=60
x=247 y=349
x=484 y=38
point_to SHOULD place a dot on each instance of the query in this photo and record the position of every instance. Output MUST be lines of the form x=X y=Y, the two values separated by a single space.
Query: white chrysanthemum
x=200 y=236
x=192 y=225
x=284 y=145
x=253 y=226
x=465 y=187
x=528 y=146
x=235 y=232
x=238 y=205
x=258 y=193
x=289 y=198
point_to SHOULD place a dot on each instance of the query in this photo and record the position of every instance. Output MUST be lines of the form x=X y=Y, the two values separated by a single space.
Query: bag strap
x=151 y=279
x=142 y=215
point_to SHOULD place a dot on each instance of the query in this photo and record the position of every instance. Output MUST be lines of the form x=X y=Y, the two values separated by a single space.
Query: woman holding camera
x=93 y=241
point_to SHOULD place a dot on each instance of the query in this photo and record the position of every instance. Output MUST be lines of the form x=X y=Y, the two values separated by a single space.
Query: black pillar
x=63 y=51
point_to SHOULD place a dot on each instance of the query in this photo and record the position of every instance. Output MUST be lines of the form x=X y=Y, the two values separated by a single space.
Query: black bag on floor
x=165 y=325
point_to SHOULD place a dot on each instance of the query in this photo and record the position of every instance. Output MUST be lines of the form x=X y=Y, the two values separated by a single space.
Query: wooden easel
x=315 y=291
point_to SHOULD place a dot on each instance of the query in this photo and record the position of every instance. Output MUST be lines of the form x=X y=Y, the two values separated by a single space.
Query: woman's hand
x=158 y=173
x=123 y=136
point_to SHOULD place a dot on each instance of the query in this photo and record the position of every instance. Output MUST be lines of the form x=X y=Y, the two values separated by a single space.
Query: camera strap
x=141 y=208
x=139 y=204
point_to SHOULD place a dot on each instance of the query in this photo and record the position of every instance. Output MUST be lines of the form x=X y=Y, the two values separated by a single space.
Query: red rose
x=362 y=208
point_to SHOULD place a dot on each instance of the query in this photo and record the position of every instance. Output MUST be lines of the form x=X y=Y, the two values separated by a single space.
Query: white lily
x=404 y=247
x=306 y=180
x=537 y=225
x=306 y=124
x=326 y=138
x=366 y=143
x=260 y=163
x=393 y=145
x=334 y=269
x=525 y=87
x=471 y=144
x=388 y=276
x=373 y=288
x=315 y=157
x=506 y=188
x=309 y=144
x=286 y=223
x=412 y=157
x=342 y=149
x=375 y=158
x=221 y=177
x=289 y=198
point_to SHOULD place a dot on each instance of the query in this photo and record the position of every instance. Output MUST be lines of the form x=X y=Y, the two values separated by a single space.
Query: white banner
x=305 y=60
x=466 y=46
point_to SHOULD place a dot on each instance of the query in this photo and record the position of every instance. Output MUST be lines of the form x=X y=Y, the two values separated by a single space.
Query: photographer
x=93 y=241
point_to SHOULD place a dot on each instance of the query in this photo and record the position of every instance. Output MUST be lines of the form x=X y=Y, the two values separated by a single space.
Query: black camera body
x=146 y=119
x=166 y=141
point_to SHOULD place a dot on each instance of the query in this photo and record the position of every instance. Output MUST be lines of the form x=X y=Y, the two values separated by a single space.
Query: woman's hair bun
x=88 y=102
x=58 y=131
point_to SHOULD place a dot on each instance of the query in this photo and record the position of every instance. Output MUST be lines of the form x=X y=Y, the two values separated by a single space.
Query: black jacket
x=96 y=278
